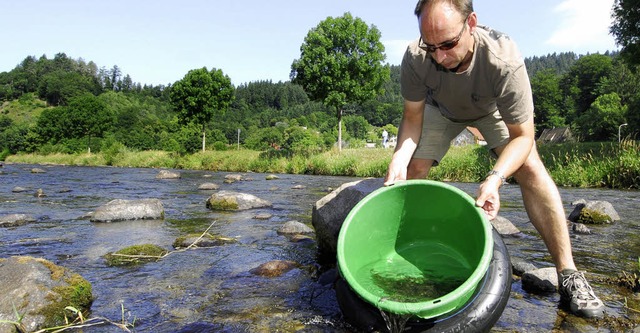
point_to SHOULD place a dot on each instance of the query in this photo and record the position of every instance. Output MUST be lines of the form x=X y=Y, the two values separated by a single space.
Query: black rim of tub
x=479 y=314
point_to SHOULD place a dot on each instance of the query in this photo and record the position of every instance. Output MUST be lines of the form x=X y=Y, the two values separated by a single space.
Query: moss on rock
x=75 y=292
x=226 y=203
x=135 y=254
x=207 y=240
x=591 y=216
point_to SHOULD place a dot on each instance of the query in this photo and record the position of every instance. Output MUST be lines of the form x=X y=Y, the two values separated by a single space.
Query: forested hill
x=558 y=63
x=45 y=103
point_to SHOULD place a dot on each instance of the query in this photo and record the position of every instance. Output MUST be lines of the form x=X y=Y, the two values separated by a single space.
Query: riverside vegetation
x=605 y=164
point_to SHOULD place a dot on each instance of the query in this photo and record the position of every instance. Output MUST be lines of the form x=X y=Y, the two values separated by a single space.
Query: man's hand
x=488 y=197
x=395 y=173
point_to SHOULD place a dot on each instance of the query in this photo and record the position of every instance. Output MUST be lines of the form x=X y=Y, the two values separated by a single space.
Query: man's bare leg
x=544 y=207
x=418 y=168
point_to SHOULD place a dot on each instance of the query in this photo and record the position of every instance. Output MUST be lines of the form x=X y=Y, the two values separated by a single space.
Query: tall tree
x=626 y=30
x=340 y=63
x=600 y=122
x=547 y=100
x=580 y=84
x=116 y=74
x=60 y=86
x=200 y=96
x=88 y=116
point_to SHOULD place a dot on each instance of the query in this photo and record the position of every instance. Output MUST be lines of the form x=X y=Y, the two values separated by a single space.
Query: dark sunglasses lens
x=448 y=46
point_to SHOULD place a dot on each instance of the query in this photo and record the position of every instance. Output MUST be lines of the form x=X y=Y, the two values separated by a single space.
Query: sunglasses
x=446 y=46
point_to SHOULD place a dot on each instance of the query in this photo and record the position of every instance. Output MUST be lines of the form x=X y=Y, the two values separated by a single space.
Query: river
x=211 y=289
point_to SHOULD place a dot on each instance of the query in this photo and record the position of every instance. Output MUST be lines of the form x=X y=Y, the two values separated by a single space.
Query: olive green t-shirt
x=495 y=80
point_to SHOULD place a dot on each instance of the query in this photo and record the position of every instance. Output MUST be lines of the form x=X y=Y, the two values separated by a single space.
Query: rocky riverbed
x=231 y=286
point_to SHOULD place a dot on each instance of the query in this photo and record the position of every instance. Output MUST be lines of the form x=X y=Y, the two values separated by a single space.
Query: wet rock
x=329 y=212
x=274 y=268
x=39 y=193
x=263 y=216
x=294 y=227
x=18 y=189
x=581 y=229
x=38 y=170
x=520 y=266
x=208 y=186
x=542 y=280
x=198 y=240
x=40 y=290
x=233 y=177
x=166 y=174
x=593 y=212
x=13 y=220
x=121 y=210
x=299 y=238
x=228 y=200
x=271 y=177
x=504 y=227
x=298 y=187
x=329 y=277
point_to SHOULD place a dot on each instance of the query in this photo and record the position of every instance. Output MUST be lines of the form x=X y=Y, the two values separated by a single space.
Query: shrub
x=4 y=153
x=112 y=150
x=219 y=145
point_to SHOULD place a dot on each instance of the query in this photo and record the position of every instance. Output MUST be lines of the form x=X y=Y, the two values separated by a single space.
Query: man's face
x=445 y=34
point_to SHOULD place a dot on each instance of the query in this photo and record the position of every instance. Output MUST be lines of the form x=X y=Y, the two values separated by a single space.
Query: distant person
x=459 y=74
x=385 y=138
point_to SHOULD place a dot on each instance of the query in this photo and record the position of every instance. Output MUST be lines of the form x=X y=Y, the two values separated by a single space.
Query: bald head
x=464 y=7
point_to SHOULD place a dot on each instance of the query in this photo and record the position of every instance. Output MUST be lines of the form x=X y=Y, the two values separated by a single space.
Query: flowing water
x=395 y=323
x=212 y=289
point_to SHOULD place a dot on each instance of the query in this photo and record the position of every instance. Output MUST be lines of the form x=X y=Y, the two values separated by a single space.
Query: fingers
x=490 y=208
x=394 y=175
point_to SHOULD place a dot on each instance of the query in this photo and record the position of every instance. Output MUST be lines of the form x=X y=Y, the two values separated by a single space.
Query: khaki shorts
x=438 y=132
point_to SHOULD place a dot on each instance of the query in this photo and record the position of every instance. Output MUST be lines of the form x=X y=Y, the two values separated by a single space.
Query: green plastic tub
x=418 y=247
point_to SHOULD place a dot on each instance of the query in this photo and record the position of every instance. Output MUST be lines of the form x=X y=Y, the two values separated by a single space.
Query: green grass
x=572 y=164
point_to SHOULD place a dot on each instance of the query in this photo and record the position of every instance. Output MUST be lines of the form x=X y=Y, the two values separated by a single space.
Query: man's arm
x=511 y=158
x=408 y=137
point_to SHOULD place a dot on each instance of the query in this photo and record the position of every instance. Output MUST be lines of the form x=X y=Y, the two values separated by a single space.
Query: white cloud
x=583 y=26
x=394 y=49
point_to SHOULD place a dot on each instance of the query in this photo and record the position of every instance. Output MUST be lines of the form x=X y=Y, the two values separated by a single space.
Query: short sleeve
x=514 y=97
x=412 y=85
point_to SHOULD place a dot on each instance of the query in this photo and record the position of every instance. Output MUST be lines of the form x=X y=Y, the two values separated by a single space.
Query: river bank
x=583 y=165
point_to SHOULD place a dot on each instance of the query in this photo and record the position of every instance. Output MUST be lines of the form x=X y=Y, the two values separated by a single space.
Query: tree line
x=70 y=105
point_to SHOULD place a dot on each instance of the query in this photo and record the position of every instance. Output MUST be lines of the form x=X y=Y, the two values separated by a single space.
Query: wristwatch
x=497 y=173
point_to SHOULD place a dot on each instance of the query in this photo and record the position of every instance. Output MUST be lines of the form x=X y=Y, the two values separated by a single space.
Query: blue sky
x=159 y=41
